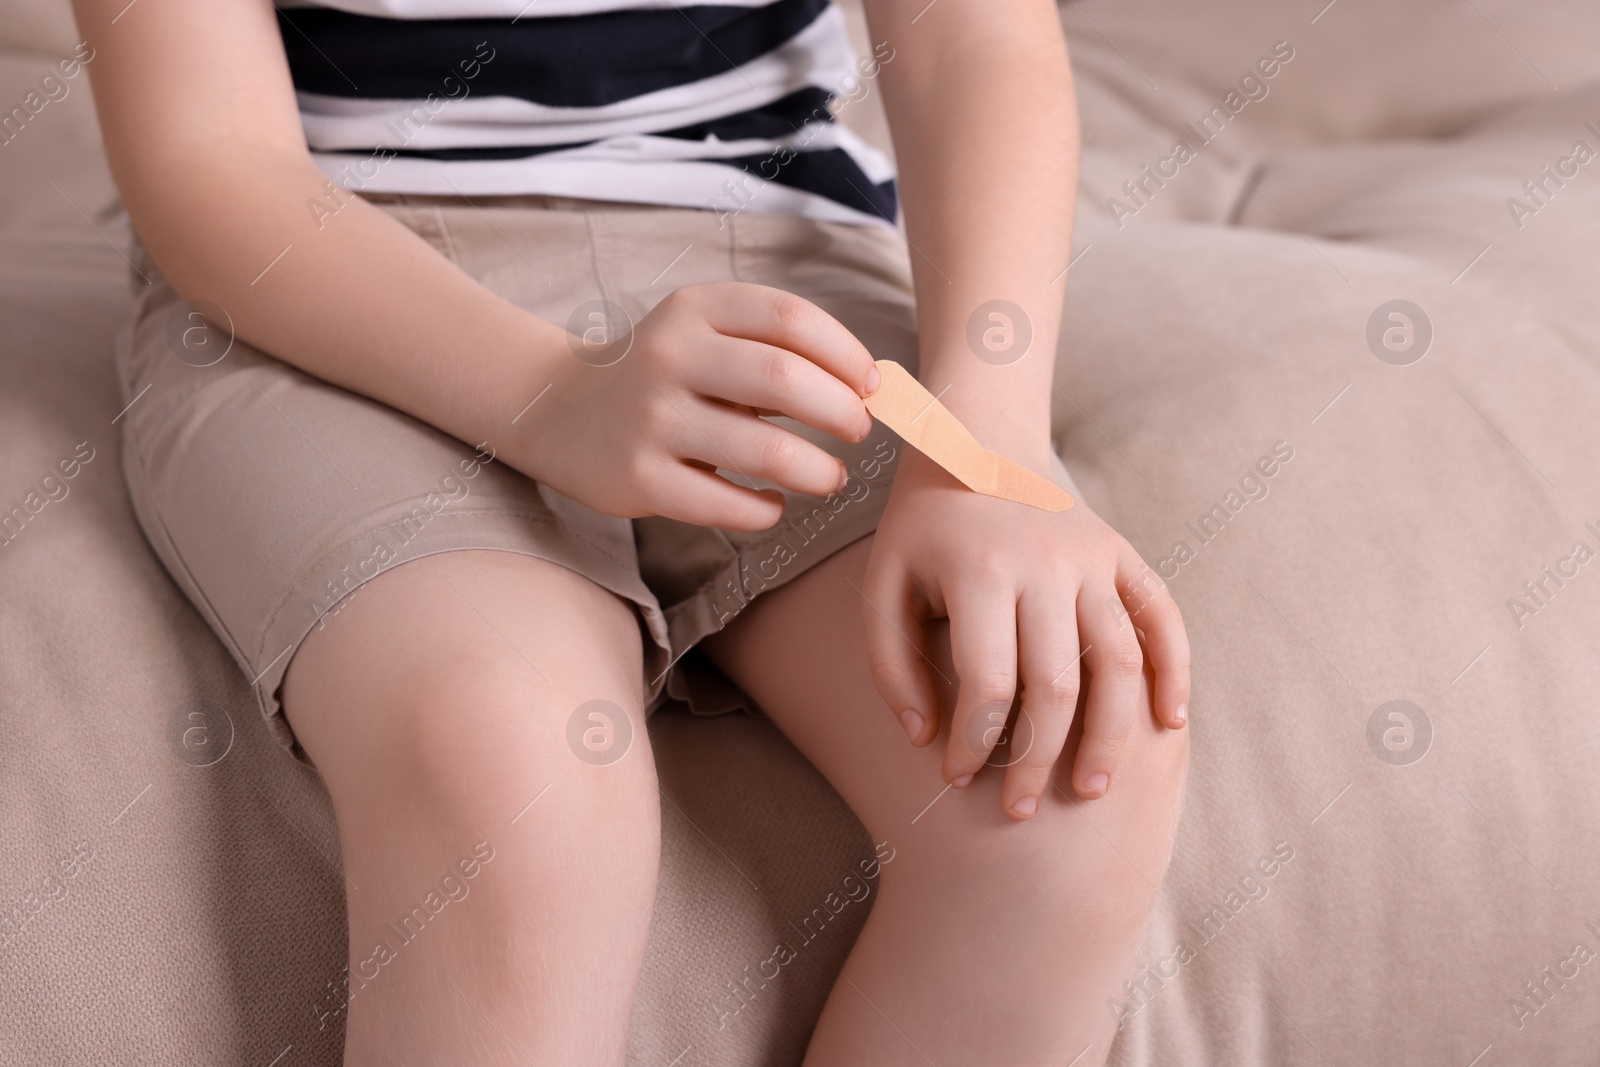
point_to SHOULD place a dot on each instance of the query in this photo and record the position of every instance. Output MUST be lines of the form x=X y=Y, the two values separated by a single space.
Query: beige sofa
x=1389 y=853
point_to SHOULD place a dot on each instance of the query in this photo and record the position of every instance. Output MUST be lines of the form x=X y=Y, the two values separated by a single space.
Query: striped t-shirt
x=718 y=106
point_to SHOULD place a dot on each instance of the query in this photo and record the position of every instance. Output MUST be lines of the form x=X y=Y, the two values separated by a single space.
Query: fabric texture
x=1378 y=862
x=1334 y=902
x=728 y=106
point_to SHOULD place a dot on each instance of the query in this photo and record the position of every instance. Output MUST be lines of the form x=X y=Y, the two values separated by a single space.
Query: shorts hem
x=498 y=530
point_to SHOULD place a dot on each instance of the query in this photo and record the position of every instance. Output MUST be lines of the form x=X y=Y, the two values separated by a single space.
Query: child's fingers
x=1166 y=641
x=897 y=650
x=748 y=447
x=766 y=378
x=775 y=317
x=1048 y=654
x=692 y=494
x=1116 y=667
x=983 y=646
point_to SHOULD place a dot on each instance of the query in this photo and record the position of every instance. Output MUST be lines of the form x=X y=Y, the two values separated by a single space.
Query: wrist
x=518 y=371
x=1026 y=444
x=1006 y=408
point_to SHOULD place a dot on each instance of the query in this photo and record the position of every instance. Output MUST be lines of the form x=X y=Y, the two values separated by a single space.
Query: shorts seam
x=736 y=250
x=445 y=236
x=596 y=263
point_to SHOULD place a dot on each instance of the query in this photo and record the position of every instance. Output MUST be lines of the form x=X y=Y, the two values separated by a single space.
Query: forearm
x=198 y=112
x=984 y=121
x=354 y=298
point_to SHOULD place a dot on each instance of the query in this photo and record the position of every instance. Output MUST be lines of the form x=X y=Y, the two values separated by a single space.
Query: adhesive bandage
x=902 y=404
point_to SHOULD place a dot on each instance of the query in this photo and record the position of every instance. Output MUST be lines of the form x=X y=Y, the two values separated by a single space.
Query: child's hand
x=645 y=435
x=1023 y=589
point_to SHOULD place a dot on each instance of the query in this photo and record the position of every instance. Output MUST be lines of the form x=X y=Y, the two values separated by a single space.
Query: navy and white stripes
x=719 y=106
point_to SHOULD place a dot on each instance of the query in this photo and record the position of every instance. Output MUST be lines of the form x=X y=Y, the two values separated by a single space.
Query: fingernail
x=961 y=783
x=1096 y=783
x=912 y=723
x=1182 y=714
x=874 y=379
x=1026 y=806
x=844 y=478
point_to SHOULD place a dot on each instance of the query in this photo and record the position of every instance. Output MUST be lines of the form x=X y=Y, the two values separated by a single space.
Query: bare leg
x=992 y=941
x=436 y=706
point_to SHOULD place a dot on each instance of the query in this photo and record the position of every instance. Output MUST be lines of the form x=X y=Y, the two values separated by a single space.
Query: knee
x=482 y=736
x=1078 y=866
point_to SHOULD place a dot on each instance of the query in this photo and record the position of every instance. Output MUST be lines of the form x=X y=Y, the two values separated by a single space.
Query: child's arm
x=981 y=108
x=200 y=123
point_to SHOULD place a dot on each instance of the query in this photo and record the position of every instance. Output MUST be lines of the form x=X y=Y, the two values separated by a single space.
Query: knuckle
x=779 y=452
x=889 y=676
x=670 y=355
x=1059 y=568
x=679 y=300
x=1110 y=744
x=789 y=312
x=992 y=686
x=658 y=431
x=1034 y=766
x=989 y=576
x=782 y=373
x=638 y=472
x=1157 y=609
x=1150 y=586
x=1060 y=690
x=1145 y=591
x=1123 y=661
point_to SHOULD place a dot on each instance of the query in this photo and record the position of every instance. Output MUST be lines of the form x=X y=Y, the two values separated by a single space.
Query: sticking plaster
x=902 y=404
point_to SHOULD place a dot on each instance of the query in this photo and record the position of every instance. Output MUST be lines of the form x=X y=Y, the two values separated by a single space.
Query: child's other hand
x=646 y=434
x=1031 y=596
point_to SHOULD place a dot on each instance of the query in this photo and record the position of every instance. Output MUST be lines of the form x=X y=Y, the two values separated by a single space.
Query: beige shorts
x=271 y=496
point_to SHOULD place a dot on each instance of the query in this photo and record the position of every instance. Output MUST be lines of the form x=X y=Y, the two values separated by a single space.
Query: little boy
x=482 y=348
